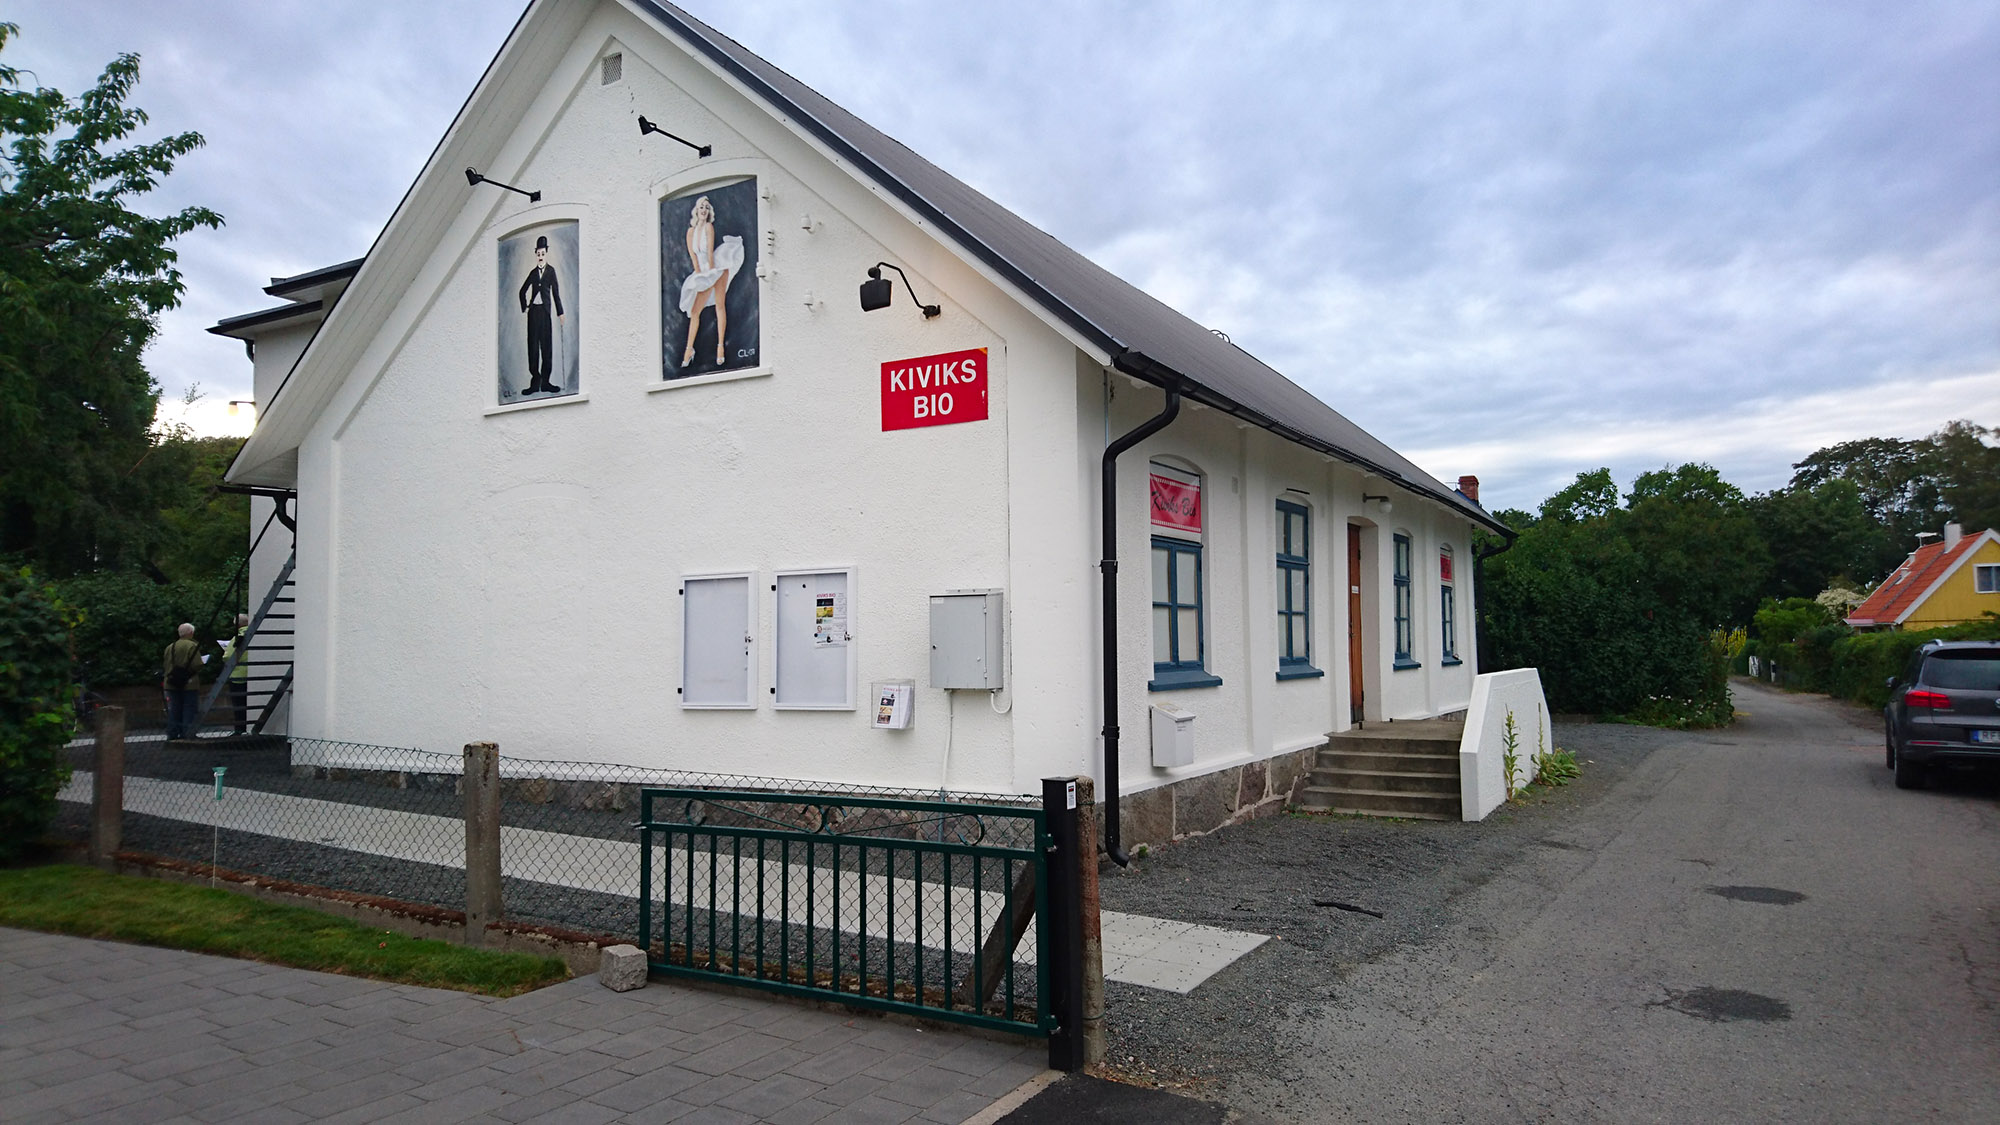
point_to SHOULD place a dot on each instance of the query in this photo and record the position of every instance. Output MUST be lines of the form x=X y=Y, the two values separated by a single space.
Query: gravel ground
x=1411 y=872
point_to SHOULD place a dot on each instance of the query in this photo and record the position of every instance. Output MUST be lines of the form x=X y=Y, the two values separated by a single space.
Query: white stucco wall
x=512 y=574
x=1482 y=770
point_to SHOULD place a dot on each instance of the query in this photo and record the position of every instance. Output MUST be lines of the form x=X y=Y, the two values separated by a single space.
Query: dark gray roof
x=280 y=286
x=1144 y=337
x=230 y=326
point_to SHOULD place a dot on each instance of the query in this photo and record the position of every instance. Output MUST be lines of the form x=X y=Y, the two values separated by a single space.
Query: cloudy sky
x=1513 y=239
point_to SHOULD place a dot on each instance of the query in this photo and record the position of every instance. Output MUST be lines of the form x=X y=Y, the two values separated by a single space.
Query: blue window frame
x=1448 y=618
x=1294 y=592
x=1179 y=633
x=1406 y=634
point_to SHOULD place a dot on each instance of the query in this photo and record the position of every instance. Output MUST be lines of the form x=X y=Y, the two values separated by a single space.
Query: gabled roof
x=1137 y=334
x=1921 y=575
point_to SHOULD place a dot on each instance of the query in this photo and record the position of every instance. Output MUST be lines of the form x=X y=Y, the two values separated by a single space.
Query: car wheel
x=1911 y=775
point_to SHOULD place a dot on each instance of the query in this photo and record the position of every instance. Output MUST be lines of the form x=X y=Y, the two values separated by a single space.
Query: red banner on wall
x=1176 y=504
x=934 y=390
x=1444 y=565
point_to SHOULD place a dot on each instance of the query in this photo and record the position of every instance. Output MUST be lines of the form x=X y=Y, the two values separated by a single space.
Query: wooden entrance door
x=1355 y=692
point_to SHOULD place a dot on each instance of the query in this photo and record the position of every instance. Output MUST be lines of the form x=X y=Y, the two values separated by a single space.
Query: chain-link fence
x=389 y=822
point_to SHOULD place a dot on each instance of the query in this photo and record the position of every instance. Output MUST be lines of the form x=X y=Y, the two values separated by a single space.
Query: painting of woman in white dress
x=709 y=296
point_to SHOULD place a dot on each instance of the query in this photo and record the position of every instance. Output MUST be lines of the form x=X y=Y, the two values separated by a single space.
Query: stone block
x=621 y=968
x=1251 y=789
x=1205 y=803
x=1147 y=818
x=1290 y=774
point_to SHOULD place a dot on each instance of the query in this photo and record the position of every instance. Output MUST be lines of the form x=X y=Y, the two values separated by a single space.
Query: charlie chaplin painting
x=708 y=273
x=538 y=313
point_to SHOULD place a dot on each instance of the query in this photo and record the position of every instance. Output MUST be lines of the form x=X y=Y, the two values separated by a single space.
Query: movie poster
x=708 y=272
x=538 y=313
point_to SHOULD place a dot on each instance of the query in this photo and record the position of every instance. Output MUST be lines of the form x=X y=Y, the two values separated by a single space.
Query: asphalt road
x=1753 y=924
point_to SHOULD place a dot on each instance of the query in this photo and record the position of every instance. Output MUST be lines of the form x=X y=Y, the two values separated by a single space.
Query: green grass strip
x=90 y=903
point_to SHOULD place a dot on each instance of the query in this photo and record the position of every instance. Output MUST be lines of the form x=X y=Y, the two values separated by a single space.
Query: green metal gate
x=911 y=906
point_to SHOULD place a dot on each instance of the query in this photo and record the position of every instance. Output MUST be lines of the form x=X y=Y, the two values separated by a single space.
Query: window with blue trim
x=1294 y=592
x=1178 y=629
x=1406 y=634
x=1447 y=608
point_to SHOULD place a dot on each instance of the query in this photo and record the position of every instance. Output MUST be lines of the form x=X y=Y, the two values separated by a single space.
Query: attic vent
x=613 y=69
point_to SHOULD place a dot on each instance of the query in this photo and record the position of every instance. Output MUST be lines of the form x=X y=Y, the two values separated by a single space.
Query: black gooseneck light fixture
x=473 y=178
x=877 y=290
x=646 y=127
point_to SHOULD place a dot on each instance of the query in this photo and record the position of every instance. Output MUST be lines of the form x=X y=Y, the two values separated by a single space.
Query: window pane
x=1283 y=586
x=1298 y=590
x=1301 y=643
x=1190 y=626
x=1160 y=591
x=1299 y=545
x=1163 y=645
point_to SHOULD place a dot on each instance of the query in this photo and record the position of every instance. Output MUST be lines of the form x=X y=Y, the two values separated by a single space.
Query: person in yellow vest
x=239 y=677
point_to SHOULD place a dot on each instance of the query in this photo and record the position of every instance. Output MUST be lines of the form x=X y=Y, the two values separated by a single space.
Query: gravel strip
x=1267 y=876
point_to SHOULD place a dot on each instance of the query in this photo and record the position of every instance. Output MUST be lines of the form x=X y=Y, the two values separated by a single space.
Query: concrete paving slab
x=366 y=1051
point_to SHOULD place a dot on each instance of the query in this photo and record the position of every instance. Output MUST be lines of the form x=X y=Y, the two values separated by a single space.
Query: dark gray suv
x=1944 y=708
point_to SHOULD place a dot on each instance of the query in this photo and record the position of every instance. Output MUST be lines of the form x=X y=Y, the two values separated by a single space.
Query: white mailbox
x=965 y=640
x=1173 y=735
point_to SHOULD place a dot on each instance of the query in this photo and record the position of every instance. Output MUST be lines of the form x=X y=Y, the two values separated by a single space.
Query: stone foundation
x=1196 y=806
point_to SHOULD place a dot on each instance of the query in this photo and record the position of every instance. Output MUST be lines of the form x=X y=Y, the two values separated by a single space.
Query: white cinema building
x=598 y=455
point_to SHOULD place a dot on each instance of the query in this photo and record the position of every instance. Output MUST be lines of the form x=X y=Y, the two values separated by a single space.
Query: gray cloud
x=1516 y=240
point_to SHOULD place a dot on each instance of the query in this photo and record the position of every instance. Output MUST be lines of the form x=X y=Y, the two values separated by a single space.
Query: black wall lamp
x=1383 y=504
x=876 y=291
x=473 y=177
x=646 y=126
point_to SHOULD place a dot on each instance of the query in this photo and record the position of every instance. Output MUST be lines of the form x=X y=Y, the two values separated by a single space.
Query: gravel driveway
x=1744 y=924
x=1266 y=877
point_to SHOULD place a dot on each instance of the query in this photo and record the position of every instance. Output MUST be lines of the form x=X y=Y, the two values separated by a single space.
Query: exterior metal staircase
x=266 y=650
x=1407 y=769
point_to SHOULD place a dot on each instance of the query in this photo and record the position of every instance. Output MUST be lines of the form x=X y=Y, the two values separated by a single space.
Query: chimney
x=1952 y=534
x=1470 y=486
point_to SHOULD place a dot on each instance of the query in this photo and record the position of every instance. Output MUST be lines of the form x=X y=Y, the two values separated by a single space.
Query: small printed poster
x=1444 y=565
x=830 y=619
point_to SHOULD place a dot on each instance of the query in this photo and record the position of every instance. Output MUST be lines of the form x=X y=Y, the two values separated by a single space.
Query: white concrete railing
x=1482 y=772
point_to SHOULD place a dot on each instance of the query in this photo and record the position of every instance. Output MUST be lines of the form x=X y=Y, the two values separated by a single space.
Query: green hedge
x=36 y=707
x=128 y=620
x=1863 y=662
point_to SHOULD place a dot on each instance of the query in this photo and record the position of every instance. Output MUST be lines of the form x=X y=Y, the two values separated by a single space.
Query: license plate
x=1986 y=736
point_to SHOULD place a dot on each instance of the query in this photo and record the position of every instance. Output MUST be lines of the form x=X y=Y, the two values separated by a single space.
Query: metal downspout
x=1109 y=566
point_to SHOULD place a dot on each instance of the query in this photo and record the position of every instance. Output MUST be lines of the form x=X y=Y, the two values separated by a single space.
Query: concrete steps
x=1407 y=769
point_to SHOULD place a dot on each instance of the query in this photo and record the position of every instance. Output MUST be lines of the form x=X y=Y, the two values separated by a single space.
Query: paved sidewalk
x=92 y=1030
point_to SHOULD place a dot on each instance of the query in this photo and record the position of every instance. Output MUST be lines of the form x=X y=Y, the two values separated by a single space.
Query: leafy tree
x=1816 y=535
x=1616 y=605
x=35 y=712
x=1913 y=485
x=82 y=279
x=1702 y=555
x=205 y=527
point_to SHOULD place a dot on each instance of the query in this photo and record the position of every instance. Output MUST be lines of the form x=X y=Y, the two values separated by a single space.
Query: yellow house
x=1954 y=580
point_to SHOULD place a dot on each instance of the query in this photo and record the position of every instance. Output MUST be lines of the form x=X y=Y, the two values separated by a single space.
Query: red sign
x=1444 y=565
x=934 y=390
x=1176 y=504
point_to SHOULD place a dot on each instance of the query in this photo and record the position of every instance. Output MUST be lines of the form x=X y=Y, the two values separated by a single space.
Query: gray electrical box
x=965 y=640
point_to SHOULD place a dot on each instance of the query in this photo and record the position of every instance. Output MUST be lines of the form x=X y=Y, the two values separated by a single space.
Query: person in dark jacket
x=539 y=294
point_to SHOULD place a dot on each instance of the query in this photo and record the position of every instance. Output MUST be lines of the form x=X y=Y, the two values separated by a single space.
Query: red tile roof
x=1899 y=592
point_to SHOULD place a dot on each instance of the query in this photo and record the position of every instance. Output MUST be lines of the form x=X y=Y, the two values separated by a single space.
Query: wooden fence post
x=482 y=840
x=107 y=787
